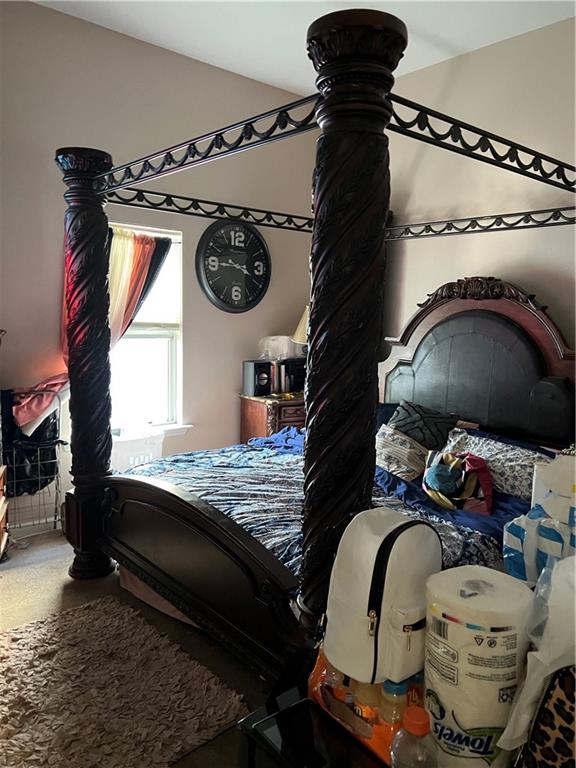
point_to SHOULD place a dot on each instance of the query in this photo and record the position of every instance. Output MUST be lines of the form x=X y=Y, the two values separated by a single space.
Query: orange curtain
x=142 y=256
x=130 y=257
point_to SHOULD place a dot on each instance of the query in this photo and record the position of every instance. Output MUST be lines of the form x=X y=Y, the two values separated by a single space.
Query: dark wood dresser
x=262 y=416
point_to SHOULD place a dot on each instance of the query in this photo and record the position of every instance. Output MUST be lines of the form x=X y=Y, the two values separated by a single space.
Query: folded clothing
x=287 y=440
x=458 y=481
x=511 y=467
x=504 y=506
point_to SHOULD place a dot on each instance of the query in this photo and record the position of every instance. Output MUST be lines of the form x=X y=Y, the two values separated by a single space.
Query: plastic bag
x=551 y=629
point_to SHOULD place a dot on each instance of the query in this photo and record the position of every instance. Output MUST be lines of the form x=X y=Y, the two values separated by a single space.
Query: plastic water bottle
x=413 y=745
x=392 y=701
x=391 y=709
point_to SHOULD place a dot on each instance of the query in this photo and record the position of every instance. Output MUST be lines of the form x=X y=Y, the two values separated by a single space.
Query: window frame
x=172 y=332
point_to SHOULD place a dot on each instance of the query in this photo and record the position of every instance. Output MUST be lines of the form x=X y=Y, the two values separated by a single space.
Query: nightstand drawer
x=291 y=413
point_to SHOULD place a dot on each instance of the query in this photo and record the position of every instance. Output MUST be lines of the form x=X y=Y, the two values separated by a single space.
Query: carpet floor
x=34 y=584
x=98 y=687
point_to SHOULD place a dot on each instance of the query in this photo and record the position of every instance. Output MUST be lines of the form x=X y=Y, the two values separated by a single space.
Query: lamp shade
x=300 y=335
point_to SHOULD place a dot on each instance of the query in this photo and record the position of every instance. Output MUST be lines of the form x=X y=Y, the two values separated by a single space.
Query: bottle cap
x=399 y=689
x=416 y=721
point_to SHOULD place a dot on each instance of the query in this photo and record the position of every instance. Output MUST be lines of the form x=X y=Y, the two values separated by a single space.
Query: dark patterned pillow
x=428 y=427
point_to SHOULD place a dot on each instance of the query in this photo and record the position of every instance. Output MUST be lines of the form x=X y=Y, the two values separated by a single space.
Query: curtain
x=156 y=260
x=135 y=261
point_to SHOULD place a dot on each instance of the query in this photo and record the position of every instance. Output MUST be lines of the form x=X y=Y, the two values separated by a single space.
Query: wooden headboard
x=482 y=348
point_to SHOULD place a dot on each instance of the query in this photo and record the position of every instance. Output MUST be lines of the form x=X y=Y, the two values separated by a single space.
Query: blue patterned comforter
x=260 y=487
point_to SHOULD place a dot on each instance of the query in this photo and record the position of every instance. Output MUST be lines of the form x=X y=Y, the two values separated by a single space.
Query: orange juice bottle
x=367 y=702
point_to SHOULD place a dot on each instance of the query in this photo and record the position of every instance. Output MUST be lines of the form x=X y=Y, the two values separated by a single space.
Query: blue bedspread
x=504 y=506
x=260 y=487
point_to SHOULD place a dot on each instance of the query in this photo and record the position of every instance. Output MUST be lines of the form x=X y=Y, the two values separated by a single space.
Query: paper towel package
x=530 y=540
x=554 y=489
x=476 y=645
x=556 y=540
x=520 y=546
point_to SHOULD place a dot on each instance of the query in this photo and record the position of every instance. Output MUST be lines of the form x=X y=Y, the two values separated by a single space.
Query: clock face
x=233 y=266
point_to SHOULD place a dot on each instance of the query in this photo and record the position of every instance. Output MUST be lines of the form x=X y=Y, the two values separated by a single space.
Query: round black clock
x=233 y=265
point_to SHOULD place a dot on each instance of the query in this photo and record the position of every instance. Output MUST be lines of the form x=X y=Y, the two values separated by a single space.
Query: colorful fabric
x=504 y=507
x=428 y=427
x=511 y=467
x=458 y=481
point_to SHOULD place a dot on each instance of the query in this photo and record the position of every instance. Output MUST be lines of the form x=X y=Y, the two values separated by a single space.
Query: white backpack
x=376 y=612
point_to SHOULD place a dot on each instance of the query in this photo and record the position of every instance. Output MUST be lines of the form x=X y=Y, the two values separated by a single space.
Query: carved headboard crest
x=479 y=289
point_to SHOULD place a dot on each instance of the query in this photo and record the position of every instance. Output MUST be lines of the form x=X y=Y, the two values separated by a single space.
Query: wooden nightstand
x=262 y=416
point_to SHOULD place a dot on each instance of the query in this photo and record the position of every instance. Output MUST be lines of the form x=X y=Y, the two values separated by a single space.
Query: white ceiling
x=266 y=40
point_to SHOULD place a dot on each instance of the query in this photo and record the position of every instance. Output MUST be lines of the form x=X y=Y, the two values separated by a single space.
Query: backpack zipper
x=409 y=628
x=377 y=585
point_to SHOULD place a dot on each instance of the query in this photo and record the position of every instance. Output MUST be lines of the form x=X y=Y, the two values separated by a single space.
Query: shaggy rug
x=98 y=687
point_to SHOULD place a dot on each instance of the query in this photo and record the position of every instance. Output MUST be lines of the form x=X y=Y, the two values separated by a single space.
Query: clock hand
x=234 y=264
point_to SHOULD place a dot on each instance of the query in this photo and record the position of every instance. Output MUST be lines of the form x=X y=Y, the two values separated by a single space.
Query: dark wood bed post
x=354 y=53
x=86 y=293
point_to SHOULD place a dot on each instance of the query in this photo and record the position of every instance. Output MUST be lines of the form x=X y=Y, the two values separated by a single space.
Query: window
x=146 y=362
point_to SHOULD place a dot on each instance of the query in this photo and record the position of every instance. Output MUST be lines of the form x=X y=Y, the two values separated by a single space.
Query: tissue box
x=554 y=489
x=520 y=546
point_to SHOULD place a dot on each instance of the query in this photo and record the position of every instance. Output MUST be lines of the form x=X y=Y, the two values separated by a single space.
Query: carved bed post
x=88 y=335
x=354 y=53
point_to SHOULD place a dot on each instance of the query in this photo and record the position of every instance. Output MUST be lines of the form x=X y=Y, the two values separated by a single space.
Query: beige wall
x=523 y=89
x=67 y=82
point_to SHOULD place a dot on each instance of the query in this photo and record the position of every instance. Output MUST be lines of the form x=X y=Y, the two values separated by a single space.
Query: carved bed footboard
x=206 y=565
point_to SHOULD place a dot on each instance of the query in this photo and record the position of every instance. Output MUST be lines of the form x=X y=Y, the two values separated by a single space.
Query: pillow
x=512 y=467
x=399 y=454
x=509 y=441
x=428 y=427
x=384 y=412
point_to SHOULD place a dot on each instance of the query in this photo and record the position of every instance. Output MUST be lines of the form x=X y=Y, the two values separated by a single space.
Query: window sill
x=175 y=430
x=167 y=430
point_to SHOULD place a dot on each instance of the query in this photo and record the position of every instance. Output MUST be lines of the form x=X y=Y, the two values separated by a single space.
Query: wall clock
x=233 y=265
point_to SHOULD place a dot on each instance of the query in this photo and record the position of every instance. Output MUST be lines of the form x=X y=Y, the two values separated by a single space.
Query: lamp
x=300 y=335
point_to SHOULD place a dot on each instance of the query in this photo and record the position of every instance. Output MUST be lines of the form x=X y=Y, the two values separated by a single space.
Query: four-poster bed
x=187 y=550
